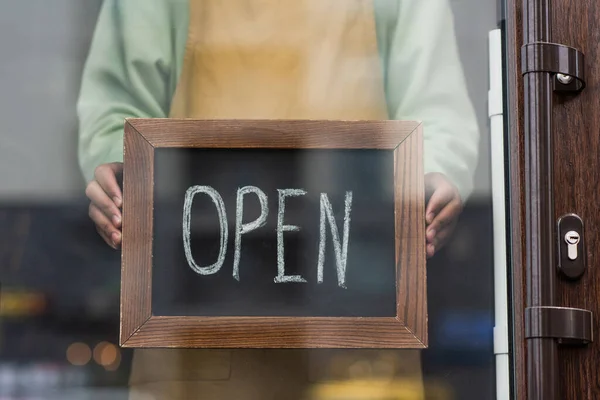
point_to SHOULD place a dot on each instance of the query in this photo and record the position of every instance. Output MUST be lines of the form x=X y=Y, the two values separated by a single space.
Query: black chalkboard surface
x=366 y=288
x=273 y=234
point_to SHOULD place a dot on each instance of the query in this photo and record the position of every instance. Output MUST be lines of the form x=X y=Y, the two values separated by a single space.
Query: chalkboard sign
x=273 y=234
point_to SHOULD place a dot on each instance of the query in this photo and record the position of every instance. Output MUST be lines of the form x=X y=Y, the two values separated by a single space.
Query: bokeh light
x=79 y=354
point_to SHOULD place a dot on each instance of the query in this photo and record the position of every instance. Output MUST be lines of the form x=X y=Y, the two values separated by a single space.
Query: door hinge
x=569 y=326
x=566 y=63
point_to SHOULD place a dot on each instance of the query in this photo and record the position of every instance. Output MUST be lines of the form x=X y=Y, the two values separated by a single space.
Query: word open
x=326 y=218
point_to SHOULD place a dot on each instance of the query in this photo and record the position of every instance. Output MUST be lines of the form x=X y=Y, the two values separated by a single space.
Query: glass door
x=75 y=71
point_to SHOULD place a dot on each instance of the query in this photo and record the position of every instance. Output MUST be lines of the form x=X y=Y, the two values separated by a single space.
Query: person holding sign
x=257 y=59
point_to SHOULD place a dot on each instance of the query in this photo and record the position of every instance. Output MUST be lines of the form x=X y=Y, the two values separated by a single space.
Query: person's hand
x=442 y=211
x=106 y=200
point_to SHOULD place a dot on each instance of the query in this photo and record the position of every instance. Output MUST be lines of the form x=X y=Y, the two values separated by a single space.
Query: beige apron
x=278 y=59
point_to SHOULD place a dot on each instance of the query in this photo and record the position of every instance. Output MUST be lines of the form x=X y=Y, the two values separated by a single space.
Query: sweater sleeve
x=127 y=75
x=425 y=82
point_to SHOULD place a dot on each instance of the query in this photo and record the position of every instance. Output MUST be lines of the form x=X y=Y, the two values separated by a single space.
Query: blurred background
x=59 y=296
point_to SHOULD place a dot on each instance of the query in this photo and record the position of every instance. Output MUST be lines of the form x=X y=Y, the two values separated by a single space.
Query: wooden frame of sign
x=141 y=329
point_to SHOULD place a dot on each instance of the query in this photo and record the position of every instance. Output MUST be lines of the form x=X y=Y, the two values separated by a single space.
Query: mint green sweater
x=137 y=53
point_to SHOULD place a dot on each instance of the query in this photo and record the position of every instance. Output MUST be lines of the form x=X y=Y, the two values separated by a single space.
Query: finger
x=107 y=230
x=114 y=241
x=437 y=202
x=117 y=238
x=100 y=199
x=430 y=235
x=102 y=222
x=430 y=250
x=106 y=176
x=445 y=217
x=444 y=235
x=105 y=238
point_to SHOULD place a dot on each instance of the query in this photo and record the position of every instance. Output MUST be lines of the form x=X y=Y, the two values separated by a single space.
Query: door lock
x=572 y=238
x=571 y=249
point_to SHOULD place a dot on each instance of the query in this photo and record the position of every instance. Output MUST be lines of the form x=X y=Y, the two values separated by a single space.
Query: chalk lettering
x=241 y=228
x=187 y=218
x=340 y=249
x=281 y=276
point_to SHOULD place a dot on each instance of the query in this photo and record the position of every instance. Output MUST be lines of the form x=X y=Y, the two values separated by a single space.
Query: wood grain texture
x=516 y=212
x=407 y=330
x=576 y=176
x=273 y=332
x=576 y=173
x=273 y=134
x=410 y=235
x=136 y=255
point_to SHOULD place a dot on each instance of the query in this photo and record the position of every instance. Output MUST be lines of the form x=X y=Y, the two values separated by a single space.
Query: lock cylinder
x=571 y=247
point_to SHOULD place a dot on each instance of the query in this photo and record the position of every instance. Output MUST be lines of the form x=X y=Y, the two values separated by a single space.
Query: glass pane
x=75 y=70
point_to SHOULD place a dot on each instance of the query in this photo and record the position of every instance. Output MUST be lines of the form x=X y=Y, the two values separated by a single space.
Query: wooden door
x=555 y=170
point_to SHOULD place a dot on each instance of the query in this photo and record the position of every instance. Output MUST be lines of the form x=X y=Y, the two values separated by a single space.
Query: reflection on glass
x=236 y=59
